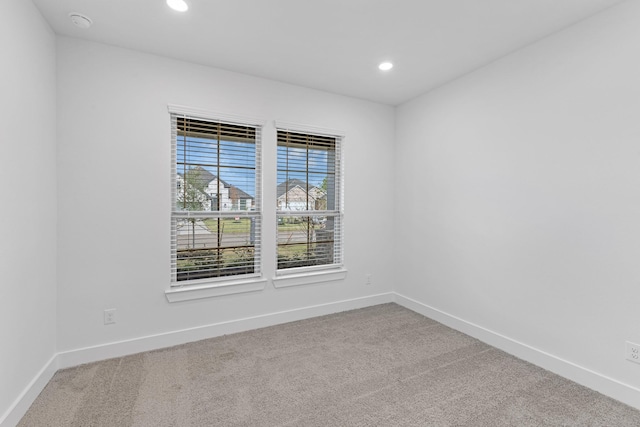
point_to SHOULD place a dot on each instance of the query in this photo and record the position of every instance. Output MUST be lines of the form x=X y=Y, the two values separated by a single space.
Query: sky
x=234 y=162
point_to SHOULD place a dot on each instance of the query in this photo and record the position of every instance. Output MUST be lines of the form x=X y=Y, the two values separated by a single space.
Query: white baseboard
x=608 y=386
x=16 y=411
x=168 y=339
x=122 y=348
x=601 y=383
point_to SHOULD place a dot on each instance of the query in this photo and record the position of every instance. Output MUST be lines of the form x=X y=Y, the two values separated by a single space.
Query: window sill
x=309 y=278
x=211 y=290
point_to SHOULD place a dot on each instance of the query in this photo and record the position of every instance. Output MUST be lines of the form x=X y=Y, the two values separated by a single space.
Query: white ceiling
x=331 y=45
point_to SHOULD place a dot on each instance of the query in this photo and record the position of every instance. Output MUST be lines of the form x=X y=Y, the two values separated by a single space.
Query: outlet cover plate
x=110 y=316
x=633 y=352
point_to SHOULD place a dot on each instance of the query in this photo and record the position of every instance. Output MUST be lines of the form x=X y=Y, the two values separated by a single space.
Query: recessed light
x=80 y=21
x=385 y=66
x=179 y=5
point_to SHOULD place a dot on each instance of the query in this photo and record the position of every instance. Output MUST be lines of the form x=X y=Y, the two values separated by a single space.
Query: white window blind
x=216 y=201
x=309 y=201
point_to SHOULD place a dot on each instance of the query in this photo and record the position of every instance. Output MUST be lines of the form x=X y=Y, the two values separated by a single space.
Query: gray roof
x=235 y=193
x=292 y=183
x=203 y=177
x=200 y=176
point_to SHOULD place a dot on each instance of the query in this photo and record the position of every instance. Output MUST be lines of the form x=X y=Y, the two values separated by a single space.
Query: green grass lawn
x=296 y=226
x=229 y=225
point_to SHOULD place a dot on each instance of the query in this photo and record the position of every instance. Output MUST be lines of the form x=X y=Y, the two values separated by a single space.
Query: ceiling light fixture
x=80 y=21
x=385 y=66
x=179 y=5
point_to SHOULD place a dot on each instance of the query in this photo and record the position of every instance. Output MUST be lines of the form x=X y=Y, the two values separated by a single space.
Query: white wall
x=28 y=214
x=114 y=134
x=528 y=173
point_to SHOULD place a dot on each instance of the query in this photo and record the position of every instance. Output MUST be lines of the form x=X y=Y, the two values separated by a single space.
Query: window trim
x=209 y=290
x=226 y=285
x=312 y=130
x=197 y=113
x=309 y=277
x=318 y=273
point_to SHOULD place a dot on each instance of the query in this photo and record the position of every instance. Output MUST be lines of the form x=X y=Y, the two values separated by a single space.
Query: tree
x=324 y=184
x=191 y=191
x=192 y=197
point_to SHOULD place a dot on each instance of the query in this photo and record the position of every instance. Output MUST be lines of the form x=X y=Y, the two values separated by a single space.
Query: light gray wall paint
x=526 y=174
x=114 y=199
x=28 y=214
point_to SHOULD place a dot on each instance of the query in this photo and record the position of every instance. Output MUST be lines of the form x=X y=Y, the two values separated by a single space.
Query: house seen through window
x=216 y=202
x=309 y=211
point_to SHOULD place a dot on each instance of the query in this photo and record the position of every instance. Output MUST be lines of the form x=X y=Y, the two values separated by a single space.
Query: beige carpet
x=378 y=366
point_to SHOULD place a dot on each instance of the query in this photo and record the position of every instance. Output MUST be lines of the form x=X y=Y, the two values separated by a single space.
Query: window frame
x=180 y=290
x=326 y=272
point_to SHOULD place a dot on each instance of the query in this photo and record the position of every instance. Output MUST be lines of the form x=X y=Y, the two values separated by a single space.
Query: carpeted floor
x=378 y=366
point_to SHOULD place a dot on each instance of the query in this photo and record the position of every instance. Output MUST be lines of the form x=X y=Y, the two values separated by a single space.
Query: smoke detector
x=80 y=20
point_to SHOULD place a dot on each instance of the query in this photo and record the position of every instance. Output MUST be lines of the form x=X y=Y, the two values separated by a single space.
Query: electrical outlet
x=110 y=316
x=633 y=352
x=367 y=278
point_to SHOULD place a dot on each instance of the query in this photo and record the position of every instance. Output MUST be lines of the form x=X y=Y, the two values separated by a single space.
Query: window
x=216 y=207
x=309 y=202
